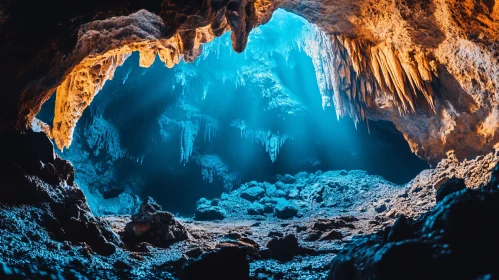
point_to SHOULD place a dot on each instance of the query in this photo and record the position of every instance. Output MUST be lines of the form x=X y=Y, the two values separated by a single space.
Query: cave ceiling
x=430 y=66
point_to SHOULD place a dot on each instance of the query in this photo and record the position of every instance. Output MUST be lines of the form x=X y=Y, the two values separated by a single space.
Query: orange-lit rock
x=429 y=66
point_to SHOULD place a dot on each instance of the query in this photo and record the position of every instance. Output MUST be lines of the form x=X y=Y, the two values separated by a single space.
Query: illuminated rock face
x=429 y=66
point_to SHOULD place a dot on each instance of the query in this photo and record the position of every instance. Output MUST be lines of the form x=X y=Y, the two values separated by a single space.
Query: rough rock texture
x=436 y=246
x=32 y=174
x=419 y=196
x=298 y=248
x=81 y=46
x=429 y=66
x=304 y=195
x=154 y=226
x=475 y=171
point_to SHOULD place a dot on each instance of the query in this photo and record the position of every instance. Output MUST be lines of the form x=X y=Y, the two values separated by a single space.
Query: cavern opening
x=249 y=139
x=203 y=128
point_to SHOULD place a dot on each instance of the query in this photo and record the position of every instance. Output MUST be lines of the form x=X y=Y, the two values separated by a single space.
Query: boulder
x=209 y=213
x=285 y=209
x=256 y=209
x=253 y=193
x=151 y=225
x=287 y=179
x=380 y=208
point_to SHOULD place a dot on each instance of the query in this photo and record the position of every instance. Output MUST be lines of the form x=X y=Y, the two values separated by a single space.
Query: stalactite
x=117 y=37
x=77 y=92
x=272 y=142
x=356 y=72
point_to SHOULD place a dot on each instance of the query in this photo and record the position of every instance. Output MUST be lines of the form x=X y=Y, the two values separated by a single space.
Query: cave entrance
x=203 y=128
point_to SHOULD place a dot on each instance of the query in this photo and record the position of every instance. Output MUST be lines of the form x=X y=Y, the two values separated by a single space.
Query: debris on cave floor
x=154 y=226
x=298 y=246
x=454 y=240
x=290 y=229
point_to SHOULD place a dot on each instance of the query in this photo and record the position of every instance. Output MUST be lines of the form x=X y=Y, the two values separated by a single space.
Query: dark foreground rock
x=455 y=240
x=227 y=263
x=154 y=226
x=32 y=174
x=449 y=187
x=284 y=249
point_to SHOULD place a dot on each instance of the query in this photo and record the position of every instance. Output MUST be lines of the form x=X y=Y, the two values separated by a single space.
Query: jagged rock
x=256 y=209
x=209 y=213
x=435 y=246
x=253 y=193
x=284 y=249
x=226 y=263
x=331 y=235
x=154 y=226
x=401 y=229
x=285 y=209
x=450 y=186
x=31 y=174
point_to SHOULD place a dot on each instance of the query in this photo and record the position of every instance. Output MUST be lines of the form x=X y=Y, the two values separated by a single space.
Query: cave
x=249 y=139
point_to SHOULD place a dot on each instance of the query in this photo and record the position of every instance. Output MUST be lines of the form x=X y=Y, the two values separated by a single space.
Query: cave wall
x=429 y=66
x=191 y=132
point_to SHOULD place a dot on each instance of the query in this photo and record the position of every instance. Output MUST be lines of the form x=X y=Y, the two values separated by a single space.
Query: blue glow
x=201 y=128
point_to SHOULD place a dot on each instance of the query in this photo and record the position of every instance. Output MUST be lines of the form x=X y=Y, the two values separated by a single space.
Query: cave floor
x=319 y=240
x=314 y=235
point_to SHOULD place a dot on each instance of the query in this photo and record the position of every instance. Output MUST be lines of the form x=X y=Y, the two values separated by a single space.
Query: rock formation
x=435 y=246
x=32 y=174
x=429 y=66
x=154 y=226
